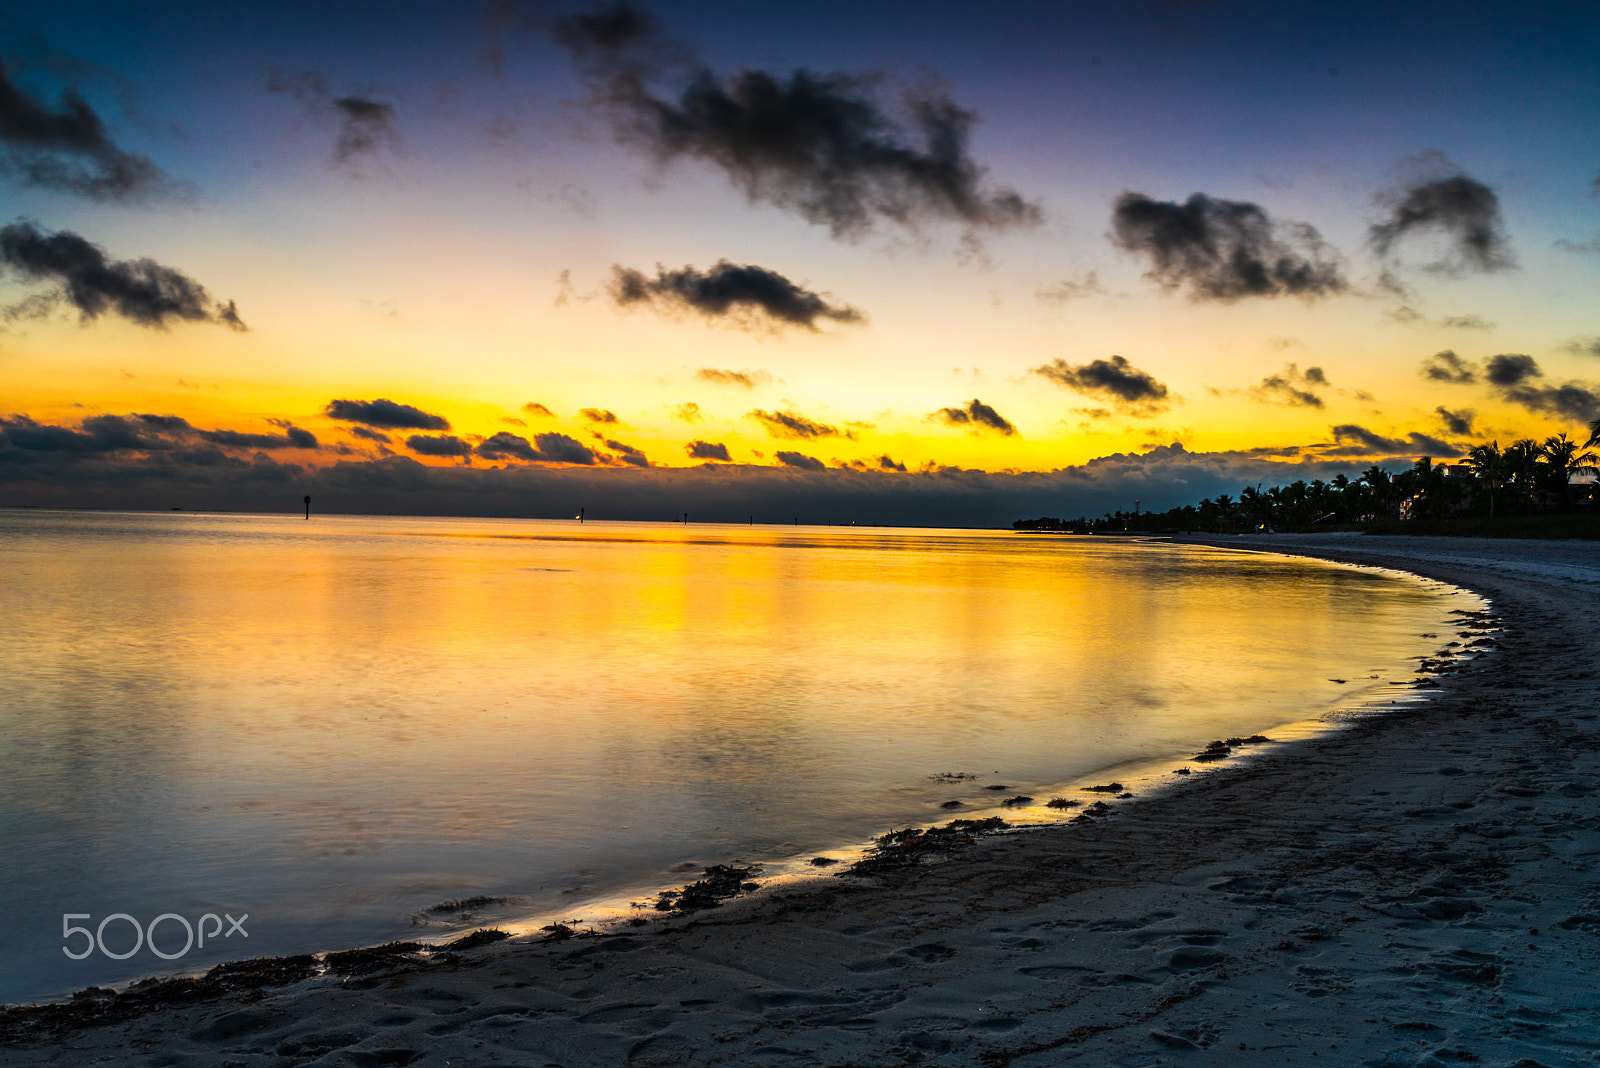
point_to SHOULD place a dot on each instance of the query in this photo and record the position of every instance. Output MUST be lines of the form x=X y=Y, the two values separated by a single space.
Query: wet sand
x=1413 y=889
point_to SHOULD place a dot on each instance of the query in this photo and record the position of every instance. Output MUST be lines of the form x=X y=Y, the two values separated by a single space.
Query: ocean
x=330 y=727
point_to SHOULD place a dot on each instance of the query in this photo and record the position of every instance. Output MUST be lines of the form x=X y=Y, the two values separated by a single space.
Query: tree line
x=1525 y=478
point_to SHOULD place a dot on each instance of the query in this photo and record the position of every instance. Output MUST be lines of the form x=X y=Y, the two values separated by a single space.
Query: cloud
x=751 y=296
x=1456 y=422
x=802 y=461
x=370 y=435
x=67 y=149
x=747 y=379
x=689 y=412
x=627 y=453
x=439 y=445
x=141 y=291
x=976 y=415
x=1163 y=477
x=707 y=450
x=1446 y=366
x=1508 y=369
x=385 y=414
x=536 y=409
x=1466 y=322
x=887 y=463
x=1364 y=442
x=1435 y=196
x=1224 y=249
x=1291 y=387
x=820 y=145
x=1590 y=247
x=293 y=438
x=366 y=126
x=794 y=425
x=1575 y=402
x=1072 y=289
x=544 y=449
x=1583 y=346
x=598 y=415
x=1116 y=380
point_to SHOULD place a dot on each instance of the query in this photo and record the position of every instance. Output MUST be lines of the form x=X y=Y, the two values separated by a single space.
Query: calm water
x=332 y=725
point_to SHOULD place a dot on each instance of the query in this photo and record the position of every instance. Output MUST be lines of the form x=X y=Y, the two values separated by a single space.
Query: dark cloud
x=167 y=423
x=1291 y=387
x=1457 y=422
x=1583 y=346
x=1225 y=249
x=1162 y=477
x=598 y=415
x=1510 y=368
x=794 y=425
x=370 y=435
x=627 y=453
x=748 y=295
x=536 y=409
x=366 y=126
x=141 y=291
x=504 y=445
x=439 y=445
x=1115 y=379
x=976 y=415
x=802 y=461
x=1363 y=442
x=887 y=463
x=1434 y=196
x=747 y=379
x=821 y=145
x=67 y=149
x=1446 y=366
x=385 y=414
x=292 y=438
x=1466 y=322
x=707 y=450
x=1575 y=402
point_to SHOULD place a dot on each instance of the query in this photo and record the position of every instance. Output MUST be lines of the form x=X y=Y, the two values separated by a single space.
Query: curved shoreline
x=1266 y=906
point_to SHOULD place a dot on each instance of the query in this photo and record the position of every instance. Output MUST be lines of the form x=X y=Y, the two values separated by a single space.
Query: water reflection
x=337 y=723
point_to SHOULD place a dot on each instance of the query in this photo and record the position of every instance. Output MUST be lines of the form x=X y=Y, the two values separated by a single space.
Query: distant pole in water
x=308 y=506
x=686 y=518
x=752 y=520
x=580 y=515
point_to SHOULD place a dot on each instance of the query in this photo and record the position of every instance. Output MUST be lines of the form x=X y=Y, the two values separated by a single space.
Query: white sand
x=1417 y=889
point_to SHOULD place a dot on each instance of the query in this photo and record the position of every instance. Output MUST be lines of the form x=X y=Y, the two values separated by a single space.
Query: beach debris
x=1217 y=750
x=997 y=787
x=485 y=936
x=1181 y=771
x=1061 y=802
x=1341 y=682
x=953 y=804
x=721 y=882
x=952 y=776
x=900 y=850
x=1019 y=800
x=822 y=862
x=556 y=932
x=1105 y=788
x=1125 y=793
x=1098 y=808
x=369 y=959
x=466 y=904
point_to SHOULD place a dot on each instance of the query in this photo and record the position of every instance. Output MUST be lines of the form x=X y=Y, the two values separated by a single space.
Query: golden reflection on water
x=349 y=718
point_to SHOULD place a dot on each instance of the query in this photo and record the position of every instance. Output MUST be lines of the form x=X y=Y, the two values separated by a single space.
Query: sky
x=917 y=263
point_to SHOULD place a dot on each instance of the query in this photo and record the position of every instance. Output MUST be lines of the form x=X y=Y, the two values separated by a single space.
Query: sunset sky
x=513 y=257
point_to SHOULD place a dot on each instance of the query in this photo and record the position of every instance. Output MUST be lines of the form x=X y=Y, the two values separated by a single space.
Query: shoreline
x=1202 y=917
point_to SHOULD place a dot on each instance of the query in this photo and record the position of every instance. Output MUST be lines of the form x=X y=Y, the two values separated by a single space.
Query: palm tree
x=1490 y=465
x=1594 y=434
x=1522 y=466
x=1561 y=459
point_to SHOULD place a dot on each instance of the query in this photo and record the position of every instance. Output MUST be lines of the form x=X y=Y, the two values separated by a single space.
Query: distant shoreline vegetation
x=1525 y=490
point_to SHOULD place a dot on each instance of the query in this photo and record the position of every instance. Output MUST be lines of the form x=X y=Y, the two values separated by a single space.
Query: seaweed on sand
x=900 y=851
x=721 y=882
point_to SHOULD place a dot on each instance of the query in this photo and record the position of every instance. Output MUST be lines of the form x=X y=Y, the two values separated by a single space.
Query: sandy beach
x=1411 y=889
